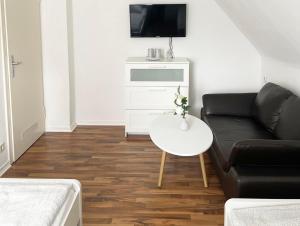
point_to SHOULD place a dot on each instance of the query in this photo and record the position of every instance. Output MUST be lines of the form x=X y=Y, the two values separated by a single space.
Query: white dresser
x=150 y=90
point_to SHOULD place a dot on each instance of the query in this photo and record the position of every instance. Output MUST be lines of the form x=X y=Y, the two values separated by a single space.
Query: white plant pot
x=184 y=124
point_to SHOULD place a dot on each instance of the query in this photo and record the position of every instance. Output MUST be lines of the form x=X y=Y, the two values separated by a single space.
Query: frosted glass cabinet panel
x=157 y=75
x=174 y=73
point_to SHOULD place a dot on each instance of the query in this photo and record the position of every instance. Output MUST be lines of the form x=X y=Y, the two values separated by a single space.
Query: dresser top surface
x=143 y=60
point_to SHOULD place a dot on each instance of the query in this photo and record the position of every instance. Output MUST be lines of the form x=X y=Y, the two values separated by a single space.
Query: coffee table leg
x=203 y=170
x=162 y=164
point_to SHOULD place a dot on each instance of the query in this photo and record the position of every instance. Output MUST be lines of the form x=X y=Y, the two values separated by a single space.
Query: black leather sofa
x=256 y=148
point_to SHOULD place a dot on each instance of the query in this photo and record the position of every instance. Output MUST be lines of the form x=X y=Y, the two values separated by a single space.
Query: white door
x=24 y=54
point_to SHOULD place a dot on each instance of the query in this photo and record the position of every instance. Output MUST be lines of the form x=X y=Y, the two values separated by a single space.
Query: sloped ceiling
x=273 y=26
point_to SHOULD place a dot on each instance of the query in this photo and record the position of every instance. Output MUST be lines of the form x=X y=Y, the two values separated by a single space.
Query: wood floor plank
x=119 y=178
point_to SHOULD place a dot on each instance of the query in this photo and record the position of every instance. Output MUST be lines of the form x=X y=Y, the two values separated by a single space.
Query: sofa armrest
x=266 y=153
x=231 y=104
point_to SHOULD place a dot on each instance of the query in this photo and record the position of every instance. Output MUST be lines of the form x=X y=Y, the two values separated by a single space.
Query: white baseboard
x=73 y=127
x=4 y=168
x=101 y=123
x=61 y=129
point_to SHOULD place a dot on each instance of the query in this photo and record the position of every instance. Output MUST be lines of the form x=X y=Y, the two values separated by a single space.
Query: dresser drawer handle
x=155 y=113
x=157 y=90
x=157 y=67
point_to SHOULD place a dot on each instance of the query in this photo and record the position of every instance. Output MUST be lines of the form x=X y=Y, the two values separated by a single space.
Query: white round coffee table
x=166 y=134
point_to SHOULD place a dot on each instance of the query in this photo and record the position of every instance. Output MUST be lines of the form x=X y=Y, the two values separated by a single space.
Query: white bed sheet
x=19 y=206
x=264 y=212
x=63 y=213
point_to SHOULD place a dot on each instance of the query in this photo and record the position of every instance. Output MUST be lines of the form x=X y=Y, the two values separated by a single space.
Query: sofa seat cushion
x=228 y=130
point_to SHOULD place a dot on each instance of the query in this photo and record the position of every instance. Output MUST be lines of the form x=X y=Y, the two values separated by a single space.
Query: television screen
x=158 y=20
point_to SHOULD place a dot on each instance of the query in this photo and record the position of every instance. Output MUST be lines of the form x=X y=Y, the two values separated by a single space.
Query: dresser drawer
x=139 y=121
x=152 y=97
x=157 y=74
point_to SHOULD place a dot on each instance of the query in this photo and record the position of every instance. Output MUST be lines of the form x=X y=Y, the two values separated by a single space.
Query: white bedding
x=279 y=215
x=64 y=211
x=25 y=203
x=262 y=212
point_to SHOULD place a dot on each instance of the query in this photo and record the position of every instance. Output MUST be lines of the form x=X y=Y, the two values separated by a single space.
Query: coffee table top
x=166 y=134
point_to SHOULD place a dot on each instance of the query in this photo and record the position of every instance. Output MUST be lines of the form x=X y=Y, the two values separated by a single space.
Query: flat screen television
x=158 y=20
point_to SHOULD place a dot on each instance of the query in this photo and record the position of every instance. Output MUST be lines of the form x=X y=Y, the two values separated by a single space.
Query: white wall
x=223 y=60
x=58 y=65
x=272 y=26
x=282 y=73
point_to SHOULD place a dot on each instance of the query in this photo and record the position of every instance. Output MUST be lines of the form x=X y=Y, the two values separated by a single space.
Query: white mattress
x=279 y=215
x=262 y=212
x=34 y=202
x=64 y=211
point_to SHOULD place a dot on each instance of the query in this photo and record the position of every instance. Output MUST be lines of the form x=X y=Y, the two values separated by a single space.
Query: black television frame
x=132 y=35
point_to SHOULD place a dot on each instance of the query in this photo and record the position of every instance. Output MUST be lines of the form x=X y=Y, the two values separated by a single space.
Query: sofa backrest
x=268 y=105
x=229 y=104
x=288 y=127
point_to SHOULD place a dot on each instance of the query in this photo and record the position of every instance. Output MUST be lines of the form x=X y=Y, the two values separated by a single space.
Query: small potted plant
x=182 y=107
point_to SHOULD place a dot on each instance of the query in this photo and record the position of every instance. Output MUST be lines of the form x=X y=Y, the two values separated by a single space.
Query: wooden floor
x=119 y=179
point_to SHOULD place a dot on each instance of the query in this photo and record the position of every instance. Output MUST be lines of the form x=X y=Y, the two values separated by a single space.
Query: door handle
x=13 y=65
x=16 y=63
x=13 y=62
